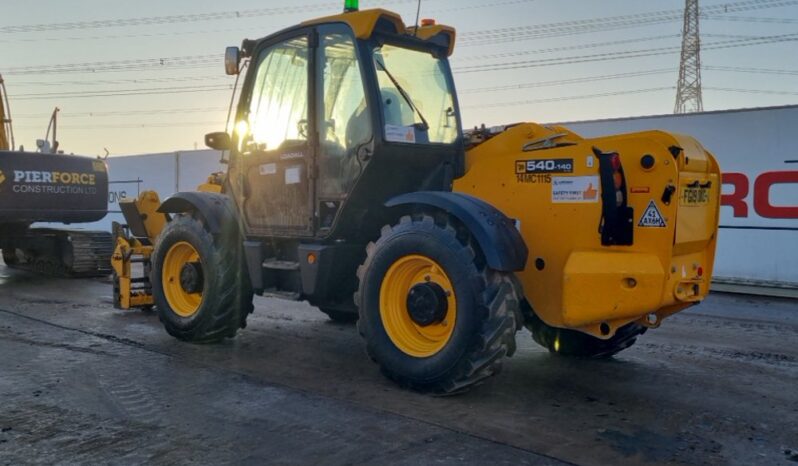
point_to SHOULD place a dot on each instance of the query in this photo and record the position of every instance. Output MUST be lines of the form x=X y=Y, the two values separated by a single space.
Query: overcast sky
x=100 y=61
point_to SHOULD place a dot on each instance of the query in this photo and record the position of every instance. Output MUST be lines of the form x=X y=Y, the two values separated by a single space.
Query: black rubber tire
x=487 y=306
x=578 y=344
x=227 y=291
x=10 y=258
x=341 y=317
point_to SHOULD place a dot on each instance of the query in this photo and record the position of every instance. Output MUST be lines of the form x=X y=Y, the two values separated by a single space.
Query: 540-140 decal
x=540 y=170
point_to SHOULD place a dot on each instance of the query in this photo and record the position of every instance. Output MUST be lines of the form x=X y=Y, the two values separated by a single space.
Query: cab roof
x=366 y=22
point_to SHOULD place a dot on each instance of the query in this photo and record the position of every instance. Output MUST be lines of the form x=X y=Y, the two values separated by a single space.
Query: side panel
x=572 y=280
x=60 y=188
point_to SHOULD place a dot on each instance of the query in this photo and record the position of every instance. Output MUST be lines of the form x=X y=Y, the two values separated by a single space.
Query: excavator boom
x=6 y=135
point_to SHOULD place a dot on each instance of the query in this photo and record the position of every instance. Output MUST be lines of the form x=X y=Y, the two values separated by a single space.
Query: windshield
x=417 y=99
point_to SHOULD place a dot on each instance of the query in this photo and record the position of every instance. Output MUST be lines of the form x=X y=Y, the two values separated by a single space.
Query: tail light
x=617 y=218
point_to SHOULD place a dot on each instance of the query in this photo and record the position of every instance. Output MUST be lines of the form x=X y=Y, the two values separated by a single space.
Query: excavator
x=52 y=188
x=352 y=185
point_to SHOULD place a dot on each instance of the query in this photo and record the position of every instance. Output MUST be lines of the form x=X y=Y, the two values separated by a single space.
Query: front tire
x=199 y=282
x=433 y=315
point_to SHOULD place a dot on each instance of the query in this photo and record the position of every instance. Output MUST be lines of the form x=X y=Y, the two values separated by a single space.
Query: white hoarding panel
x=164 y=173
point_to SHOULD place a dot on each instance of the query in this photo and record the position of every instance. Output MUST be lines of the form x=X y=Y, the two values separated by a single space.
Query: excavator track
x=63 y=253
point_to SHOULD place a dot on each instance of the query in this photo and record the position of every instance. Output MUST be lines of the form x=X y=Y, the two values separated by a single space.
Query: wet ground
x=83 y=383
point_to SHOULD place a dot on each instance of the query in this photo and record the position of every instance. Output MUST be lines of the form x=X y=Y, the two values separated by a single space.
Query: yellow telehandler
x=352 y=185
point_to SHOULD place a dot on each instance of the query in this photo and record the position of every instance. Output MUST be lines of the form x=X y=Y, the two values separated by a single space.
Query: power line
x=518 y=33
x=171 y=79
x=636 y=40
x=174 y=19
x=571 y=97
x=480 y=38
x=123 y=92
x=138 y=125
x=752 y=91
x=104 y=114
x=752 y=19
x=622 y=54
x=258 y=31
x=738 y=69
x=561 y=82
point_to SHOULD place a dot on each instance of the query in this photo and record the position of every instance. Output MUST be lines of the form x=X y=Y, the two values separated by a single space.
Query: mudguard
x=496 y=234
x=217 y=209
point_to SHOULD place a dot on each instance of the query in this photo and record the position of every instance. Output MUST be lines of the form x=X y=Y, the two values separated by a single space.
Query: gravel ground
x=83 y=383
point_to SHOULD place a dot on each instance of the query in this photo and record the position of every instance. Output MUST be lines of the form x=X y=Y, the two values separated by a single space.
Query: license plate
x=695 y=196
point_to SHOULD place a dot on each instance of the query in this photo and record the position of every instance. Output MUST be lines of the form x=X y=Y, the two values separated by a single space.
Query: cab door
x=273 y=137
x=343 y=121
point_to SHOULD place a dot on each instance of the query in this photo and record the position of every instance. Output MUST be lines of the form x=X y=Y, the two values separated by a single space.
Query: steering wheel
x=302 y=128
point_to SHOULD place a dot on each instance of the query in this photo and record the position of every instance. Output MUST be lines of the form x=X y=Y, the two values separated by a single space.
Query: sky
x=147 y=76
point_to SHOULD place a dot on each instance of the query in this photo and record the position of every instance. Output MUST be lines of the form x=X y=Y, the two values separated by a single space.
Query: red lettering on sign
x=762 y=187
x=736 y=199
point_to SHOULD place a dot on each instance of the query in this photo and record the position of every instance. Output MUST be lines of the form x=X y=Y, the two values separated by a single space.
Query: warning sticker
x=268 y=169
x=406 y=134
x=293 y=175
x=575 y=189
x=652 y=218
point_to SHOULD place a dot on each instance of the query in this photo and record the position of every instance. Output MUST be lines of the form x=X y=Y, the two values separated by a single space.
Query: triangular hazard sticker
x=652 y=218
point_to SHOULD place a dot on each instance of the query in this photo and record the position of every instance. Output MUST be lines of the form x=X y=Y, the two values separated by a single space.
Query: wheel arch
x=495 y=233
x=217 y=210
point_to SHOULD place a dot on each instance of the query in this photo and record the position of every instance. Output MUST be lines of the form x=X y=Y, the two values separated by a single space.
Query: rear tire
x=573 y=343
x=224 y=301
x=463 y=347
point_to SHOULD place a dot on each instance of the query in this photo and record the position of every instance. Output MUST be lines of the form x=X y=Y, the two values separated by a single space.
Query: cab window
x=417 y=99
x=278 y=105
x=344 y=121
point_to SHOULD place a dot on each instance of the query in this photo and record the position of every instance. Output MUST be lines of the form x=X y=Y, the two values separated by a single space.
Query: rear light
x=700 y=271
x=617 y=177
x=617 y=218
x=615 y=159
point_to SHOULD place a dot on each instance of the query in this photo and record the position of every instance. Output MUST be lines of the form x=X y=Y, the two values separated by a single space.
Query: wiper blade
x=405 y=95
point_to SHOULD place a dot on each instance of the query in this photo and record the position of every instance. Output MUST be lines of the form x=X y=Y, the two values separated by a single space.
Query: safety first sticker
x=575 y=189
x=652 y=218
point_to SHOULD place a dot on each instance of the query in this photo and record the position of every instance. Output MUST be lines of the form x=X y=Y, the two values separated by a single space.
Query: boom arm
x=6 y=134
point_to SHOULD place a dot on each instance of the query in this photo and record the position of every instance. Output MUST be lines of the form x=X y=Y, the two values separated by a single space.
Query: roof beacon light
x=427 y=22
x=351 y=5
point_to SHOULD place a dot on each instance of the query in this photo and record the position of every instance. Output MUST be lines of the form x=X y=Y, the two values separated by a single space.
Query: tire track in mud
x=132 y=399
x=764 y=358
x=734 y=325
x=35 y=433
x=62 y=366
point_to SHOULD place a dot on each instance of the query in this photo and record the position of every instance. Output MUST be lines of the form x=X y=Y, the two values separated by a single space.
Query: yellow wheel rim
x=410 y=337
x=183 y=303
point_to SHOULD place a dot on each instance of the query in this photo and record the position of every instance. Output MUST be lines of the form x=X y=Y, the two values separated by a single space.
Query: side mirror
x=219 y=141
x=232 y=58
